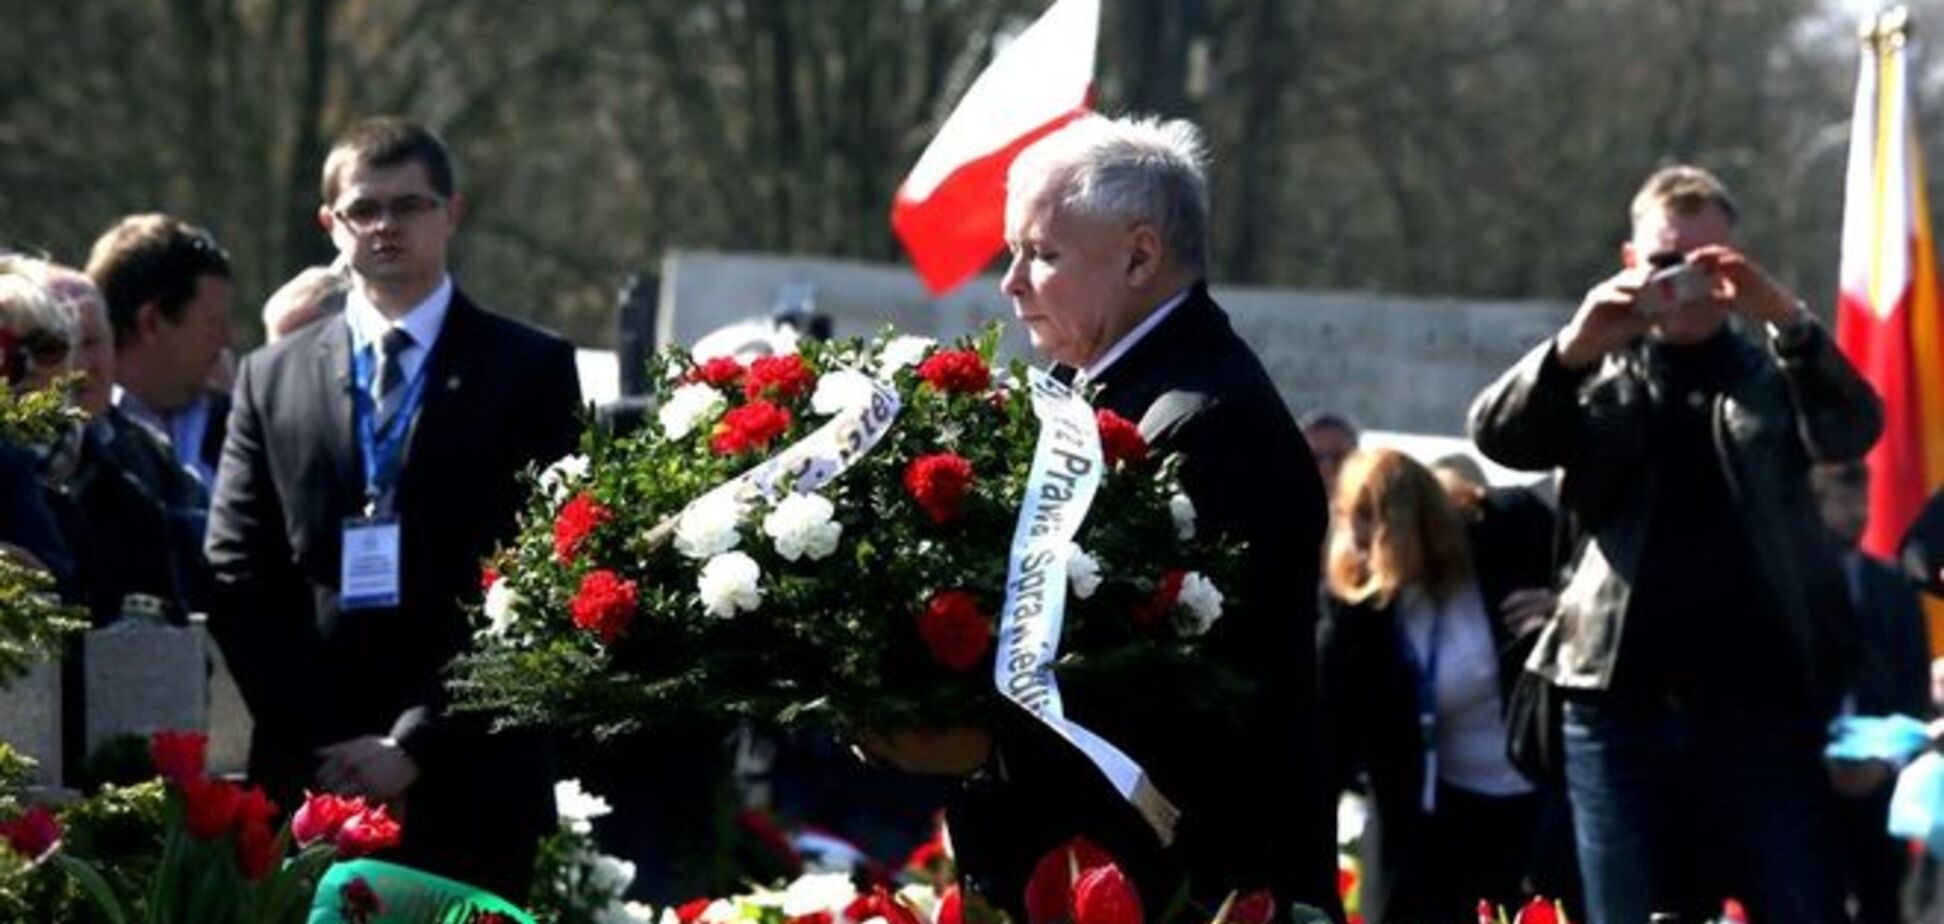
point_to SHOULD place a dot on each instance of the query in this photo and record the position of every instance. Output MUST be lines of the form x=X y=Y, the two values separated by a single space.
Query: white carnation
x=720 y=911
x=689 y=407
x=560 y=478
x=626 y=913
x=840 y=391
x=801 y=525
x=578 y=807
x=818 y=892
x=728 y=584
x=1083 y=572
x=1201 y=603
x=1184 y=516
x=709 y=528
x=502 y=603
x=903 y=351
x=611 y=875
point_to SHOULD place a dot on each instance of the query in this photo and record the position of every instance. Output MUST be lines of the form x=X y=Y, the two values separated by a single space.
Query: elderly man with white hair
x=1107 y=223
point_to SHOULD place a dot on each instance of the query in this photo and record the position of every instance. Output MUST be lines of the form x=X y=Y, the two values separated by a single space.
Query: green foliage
x=834 y=641
x=32 y=620
x=37 y=417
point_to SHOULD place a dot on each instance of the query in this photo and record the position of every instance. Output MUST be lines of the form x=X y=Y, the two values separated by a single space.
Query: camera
x=1673 y=282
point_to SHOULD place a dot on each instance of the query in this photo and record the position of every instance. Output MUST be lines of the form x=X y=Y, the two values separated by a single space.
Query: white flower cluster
x=559 y=479
x=577 y=807
x=689 y=407
x=590 y=871
x=1201 y=604
x=502 y=608
x=841 y=390
x=903 y=351
x=802 y=526
x=1083 y=572
x=709 y=527
x=728 y=584
x=1183 y=510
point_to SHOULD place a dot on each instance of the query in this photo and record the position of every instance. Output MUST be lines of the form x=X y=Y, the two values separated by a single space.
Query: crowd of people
x=1614 y=689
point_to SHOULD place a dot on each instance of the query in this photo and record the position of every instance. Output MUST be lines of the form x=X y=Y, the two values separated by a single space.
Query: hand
x=1854 y=779
x=369 y=766
x=1527 y=609
x=1751 y=290
x=1606 y=321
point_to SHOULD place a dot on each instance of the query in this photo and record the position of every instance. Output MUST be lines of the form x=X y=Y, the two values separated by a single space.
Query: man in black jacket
x=1107 y=222
x=1704 y=635
x=371 y=465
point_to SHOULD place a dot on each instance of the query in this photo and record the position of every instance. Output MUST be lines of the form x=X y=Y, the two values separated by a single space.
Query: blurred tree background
x=1452 y=147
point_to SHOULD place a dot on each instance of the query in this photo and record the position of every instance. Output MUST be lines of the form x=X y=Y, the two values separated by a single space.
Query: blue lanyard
x=383 y=452
x=1425 y=665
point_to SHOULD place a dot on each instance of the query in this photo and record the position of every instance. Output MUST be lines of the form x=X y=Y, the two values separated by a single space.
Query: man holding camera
x=1703 y=638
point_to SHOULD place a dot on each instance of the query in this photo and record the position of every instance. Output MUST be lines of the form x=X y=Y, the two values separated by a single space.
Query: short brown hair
x=1419 y=539
x=1683 y=189
x=152 y=258
x=387 y=141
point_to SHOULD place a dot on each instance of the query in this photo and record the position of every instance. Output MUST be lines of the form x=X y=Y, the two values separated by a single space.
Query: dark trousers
x=1476 y=847
x=1677 y=808
x=1874 y=863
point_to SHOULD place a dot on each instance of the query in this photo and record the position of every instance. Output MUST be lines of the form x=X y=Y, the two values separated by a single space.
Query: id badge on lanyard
x=1426 y=668
x=370 y=578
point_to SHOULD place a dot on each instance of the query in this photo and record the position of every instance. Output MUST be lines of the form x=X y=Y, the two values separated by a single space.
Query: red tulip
x=256 y=850
x=33 y=834
x=951 y=907
x=1049 y=890
x=321 y=816
x=210 y=807
x=1103 y=895
x=367 y=832
x=178 y=756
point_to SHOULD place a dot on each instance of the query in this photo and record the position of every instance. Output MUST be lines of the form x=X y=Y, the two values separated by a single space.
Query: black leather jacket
x=1797 y=403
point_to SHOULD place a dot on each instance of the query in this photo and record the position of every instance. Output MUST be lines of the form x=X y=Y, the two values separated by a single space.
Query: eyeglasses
x=364 y=214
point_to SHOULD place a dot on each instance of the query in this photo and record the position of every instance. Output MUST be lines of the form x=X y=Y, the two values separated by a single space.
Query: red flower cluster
x=749 y=428
x=33 y=834
x=879 y=903
x=1079 y=883
x=604 y=604
x=488 y=576
x=1120 y=440
x=955 y=630
x=578 y=519
x=178 y=756
x=939 y=483
x=722 y=372
x=956 y=371
x=1151 y=613
x=778 y=378
x=346 y=823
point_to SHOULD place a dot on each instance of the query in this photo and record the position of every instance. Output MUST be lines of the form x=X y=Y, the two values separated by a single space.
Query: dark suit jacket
x=1370 y=706
x=1922 y=551
x=1255 y=808
x=1893 y=670
x=499 y=396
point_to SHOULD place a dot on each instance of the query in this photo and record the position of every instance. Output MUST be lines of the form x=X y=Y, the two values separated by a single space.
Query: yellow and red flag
x=1889 y=319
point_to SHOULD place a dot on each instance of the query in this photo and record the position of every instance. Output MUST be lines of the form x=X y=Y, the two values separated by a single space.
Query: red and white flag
x=1890 y=316
x=950 y=211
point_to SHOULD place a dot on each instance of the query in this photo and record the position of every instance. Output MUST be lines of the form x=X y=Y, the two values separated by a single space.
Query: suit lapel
x=1133 y=382
x=334 y=393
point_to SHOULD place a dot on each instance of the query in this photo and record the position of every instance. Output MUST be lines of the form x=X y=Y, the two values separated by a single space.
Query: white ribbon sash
x=819 y=457
x=1066 y=472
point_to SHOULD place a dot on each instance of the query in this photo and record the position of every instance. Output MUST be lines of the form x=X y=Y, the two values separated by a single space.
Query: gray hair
x=1136 y=168
x=26 y=305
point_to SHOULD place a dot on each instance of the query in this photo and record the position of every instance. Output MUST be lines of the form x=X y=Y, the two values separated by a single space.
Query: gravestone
x=143 y=677
x=30 y=719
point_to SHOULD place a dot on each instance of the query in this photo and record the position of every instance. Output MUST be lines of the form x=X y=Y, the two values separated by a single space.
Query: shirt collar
x=1099 y=367
x=423 y=321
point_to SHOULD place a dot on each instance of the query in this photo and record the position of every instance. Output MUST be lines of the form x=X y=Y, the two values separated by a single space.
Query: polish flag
x=950 y=211
x=1889 y=317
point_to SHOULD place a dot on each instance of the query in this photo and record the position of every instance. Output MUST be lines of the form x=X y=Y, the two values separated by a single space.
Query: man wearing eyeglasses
x=372 y=464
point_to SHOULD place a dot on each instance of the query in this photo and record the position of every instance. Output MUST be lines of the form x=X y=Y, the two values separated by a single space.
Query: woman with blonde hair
x=1417 y=653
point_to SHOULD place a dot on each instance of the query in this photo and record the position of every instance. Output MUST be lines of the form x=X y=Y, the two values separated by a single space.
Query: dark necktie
x=387 y=384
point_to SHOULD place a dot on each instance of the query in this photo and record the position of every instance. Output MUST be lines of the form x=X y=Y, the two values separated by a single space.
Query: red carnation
x=366 y=832
x=1151 y=612
x=951 y=906
x=1103 y=895
x=1486 y=913
x=690 y=912
x=604 y=604
x=1539 y=911
x=722 y=372
x=33 y=834
x=321 y=816
x=956 y=371
x=1049 y=890
x=488 y=576
x=939 y=483
x=178 y=756
x=210 y=807
x=748 y=428
x=928 y=857
x=952 y=626
x=256 y=850
x=1258 y=907
x=778 y=378
x=879 y=903
x=358 y=901
x=578 y=519
x=1120 y=440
